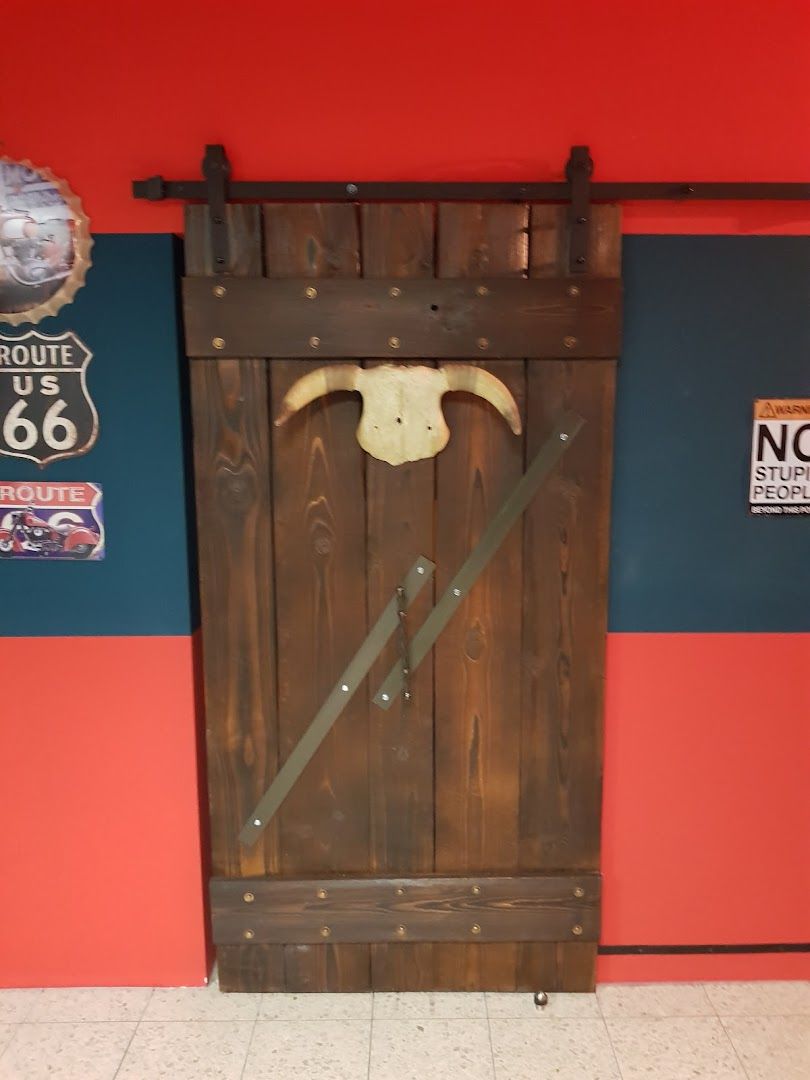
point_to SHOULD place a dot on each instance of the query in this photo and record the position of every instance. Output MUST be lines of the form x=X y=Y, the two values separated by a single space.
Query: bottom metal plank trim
x=702 y=950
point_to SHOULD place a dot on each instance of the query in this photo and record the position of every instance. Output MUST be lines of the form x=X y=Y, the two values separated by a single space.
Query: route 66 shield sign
x=46 y=412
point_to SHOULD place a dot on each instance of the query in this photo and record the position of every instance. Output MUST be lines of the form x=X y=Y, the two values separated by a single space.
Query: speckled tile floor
x=683 y=1031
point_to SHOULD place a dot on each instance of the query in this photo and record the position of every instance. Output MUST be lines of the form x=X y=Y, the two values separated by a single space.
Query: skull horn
x=324 y=380
x=476 y=380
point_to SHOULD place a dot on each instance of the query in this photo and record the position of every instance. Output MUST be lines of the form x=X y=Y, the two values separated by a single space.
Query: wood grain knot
x=474 y=642
x=322 y=545
x=238 y=491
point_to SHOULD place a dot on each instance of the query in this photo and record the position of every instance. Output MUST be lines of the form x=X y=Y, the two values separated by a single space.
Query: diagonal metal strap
x=352 y=678
x=522 y=494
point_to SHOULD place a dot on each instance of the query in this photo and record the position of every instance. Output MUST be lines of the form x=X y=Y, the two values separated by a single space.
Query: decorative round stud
x=476 y=890
x=394 y=342
x=395 y=291
x=248 y=897
x=482 y=290
x=475 y=929
x=248 y=935
x=325 y=931
x=401 y=931
x=322 y=894
x=576 y=930
x=573 y=290
x=579 y=892
x=310 y=292
x=314 y=342
x=218 y=342
x=219 y=291
x=569 y=342
x=483 y=343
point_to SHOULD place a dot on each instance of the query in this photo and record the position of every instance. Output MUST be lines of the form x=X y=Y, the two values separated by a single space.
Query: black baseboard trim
x=699 y=950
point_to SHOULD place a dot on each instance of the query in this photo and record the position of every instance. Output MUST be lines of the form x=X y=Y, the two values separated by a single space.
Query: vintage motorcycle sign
x=46 y=411
x=44 y=242
x=51 y=520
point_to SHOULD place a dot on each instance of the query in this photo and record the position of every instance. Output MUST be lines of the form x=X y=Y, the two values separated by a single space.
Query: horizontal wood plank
x=368 y=318
x=440 y=909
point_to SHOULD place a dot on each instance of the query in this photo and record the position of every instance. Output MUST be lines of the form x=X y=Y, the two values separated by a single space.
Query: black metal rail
x=156 y=188
x=216 y=188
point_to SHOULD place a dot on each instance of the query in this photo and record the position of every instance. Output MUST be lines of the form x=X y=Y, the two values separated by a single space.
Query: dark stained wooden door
x=491 y=774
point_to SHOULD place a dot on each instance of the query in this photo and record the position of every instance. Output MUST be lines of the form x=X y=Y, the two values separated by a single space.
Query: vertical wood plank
x=234 y=534
x=566 y=536
x=320 y=571
x=477 y=674
x=398 y=242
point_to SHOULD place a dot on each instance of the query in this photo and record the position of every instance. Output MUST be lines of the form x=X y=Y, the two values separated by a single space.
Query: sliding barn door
x=451 y=841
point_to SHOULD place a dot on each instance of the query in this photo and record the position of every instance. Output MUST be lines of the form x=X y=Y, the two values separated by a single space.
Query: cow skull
x=402 y=414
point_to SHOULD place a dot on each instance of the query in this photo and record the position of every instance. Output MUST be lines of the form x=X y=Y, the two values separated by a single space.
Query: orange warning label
x=782 y=409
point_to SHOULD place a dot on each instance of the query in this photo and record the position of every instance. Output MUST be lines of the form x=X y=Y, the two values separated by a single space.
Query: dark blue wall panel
x=127 y=315
x=711 y=324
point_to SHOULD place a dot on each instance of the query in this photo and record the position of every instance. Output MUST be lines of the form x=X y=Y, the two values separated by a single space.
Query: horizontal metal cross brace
x=156 y=189
x=442 y=319
x=531 y=907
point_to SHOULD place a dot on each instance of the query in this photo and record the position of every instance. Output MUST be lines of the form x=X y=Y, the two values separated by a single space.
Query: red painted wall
x=423 y=90
x=101 y=880
x=104 y=814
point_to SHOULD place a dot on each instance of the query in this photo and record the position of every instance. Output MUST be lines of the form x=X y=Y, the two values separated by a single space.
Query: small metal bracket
x=154 y=188
x=217 y=172
x=578 y=171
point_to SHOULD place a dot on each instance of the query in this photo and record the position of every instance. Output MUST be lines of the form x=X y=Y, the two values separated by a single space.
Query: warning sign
x=780 y=457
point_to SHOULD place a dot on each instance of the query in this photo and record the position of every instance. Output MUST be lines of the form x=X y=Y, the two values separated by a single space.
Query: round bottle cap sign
x=44 y=242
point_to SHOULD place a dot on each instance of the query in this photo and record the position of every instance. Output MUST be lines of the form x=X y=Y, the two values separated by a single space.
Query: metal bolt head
x=257 y=821
x=351 y=189
x=248 y=935
x=310 y=292
x=482 y=290
x=401 y=931
x=483 y=343
x=248 y=897
x=314 y=342
x=219 y=291
x=385 y=697
x=573 y=290
x=456 y=592
x=394 y=342
x=569 y=342
x=476 y=890
x=344 y=688
x=325 y=931
x=399 y=891
x=420 y=569
x=395 y=291
x=576 y=930
x=579 y=892
x=322 y=894
x=563 y=436
x=475 y=928
x=218 y=342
